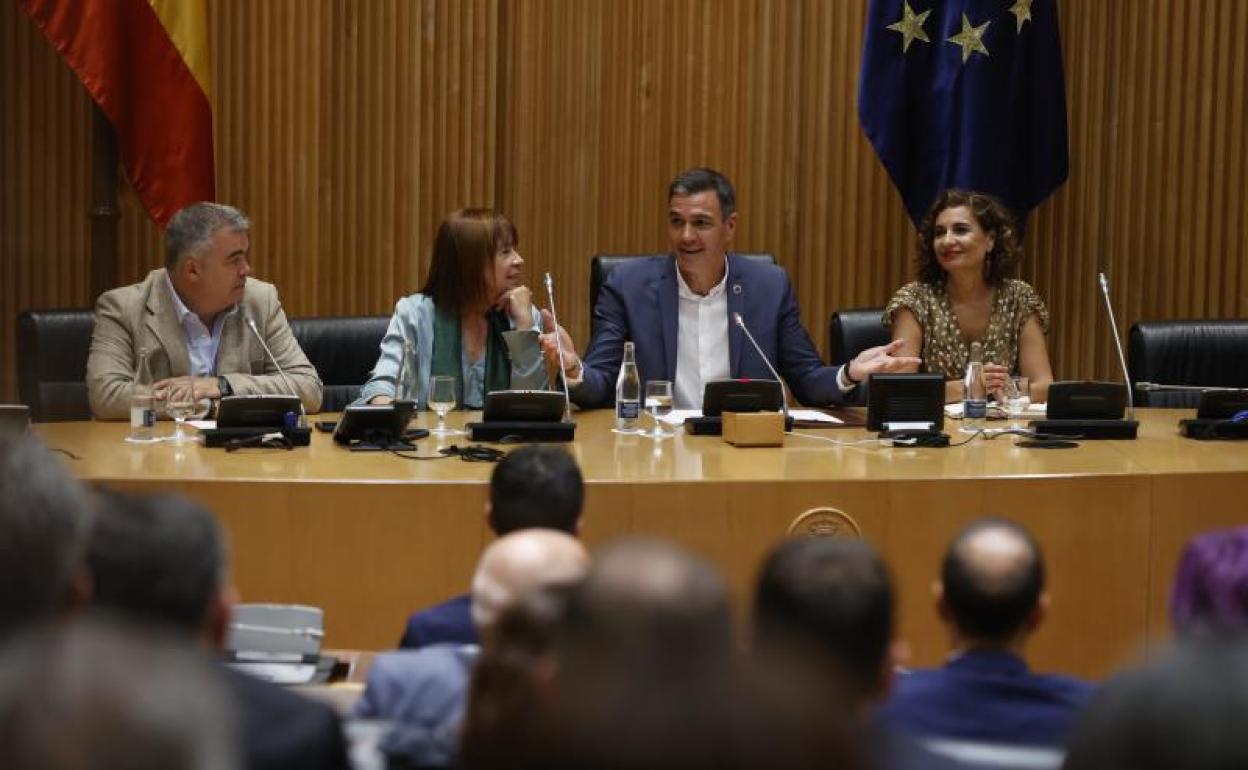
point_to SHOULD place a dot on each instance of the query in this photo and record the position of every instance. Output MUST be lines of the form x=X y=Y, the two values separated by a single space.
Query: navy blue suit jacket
x=282 y=729
x=447 y=623
x=987 y=696
x=639 y=302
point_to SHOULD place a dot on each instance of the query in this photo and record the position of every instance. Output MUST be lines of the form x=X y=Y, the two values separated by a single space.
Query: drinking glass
x=1017 y=399
x=659 y=405
x=442 y=400
x=184 y=399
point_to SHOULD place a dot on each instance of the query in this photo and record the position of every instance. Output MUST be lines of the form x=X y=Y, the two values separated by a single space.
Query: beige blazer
x=143 y=315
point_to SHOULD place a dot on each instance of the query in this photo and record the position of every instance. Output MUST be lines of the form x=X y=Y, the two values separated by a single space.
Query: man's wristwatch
x=223 y=385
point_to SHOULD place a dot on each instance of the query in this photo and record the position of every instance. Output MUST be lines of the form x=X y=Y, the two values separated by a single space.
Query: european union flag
x=966 y=93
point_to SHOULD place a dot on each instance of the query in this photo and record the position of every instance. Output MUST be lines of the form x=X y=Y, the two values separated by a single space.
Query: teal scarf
x=448 y=352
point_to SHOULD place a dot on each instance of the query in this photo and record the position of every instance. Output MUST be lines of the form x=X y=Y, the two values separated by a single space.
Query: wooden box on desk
x=745 y=429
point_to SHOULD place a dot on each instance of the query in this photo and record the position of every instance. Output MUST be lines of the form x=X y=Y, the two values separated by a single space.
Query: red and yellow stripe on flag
x=145 y=62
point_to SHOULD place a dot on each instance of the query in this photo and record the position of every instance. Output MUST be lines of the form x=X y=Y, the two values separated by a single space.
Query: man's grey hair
x=191 y=230
x=45 y=519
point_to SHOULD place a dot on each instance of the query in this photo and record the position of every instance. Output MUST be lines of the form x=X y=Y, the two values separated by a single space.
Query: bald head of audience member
x=45 y=518
x=521 y=562
x=651 y=597
x=991 y=589
x=830 y=598
x=162 y=559
x=99 y=695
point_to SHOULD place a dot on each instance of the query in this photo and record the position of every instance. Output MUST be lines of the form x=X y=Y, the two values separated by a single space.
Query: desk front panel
x=370 y=537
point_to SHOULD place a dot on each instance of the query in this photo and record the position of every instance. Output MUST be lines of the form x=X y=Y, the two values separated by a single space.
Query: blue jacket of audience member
x=987 y=696
x=447 y=623
x=424 y=693
x=281 y=729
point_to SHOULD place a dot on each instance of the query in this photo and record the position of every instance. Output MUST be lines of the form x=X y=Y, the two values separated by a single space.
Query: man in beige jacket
x=191 y=316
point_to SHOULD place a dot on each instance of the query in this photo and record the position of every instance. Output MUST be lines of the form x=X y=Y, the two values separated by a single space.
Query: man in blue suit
x=991 y=596
x=678 y=309
x=537 y=486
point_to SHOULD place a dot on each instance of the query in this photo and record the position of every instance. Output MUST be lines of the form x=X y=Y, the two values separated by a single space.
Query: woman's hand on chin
x=517 y=303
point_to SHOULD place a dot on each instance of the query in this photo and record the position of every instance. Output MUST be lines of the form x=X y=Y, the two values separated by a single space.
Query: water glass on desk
x=659 y=405
x=1017 y=399
x=442 y=400
x=185 y=399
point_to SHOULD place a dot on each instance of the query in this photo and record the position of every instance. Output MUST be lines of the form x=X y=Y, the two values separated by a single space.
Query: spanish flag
x=145 y=62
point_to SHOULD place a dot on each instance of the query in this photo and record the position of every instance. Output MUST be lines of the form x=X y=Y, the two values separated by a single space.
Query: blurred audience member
x=513 y=674
x=1210 y=594
x=424 y=691
x=1185 y=710
x=162 y=560
x=991 y=598
x=830 y=601
x=645 y=676
x=45 y=517
x=96 y=695
x=533 y=486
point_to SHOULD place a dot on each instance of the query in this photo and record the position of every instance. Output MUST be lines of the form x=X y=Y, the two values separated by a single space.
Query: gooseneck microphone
x=1122 y=360
x=550 y=297
x=784 y=396
x=303 y=414
x=1152 y=387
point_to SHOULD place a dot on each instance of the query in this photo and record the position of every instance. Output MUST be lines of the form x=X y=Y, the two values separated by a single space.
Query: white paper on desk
x=678 y=416
x=1034 y=410
x=811 y=415
x=202 y=424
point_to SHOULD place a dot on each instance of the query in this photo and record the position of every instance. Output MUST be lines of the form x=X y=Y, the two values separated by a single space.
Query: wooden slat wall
x=346 y=130
x=45 y=183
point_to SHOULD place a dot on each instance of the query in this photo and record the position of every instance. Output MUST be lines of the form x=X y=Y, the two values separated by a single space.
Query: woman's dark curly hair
x=996 y=220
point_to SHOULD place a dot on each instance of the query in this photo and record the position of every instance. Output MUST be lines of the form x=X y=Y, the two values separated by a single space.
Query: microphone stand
x=1153 y=387
x=567 y=398
x=1122 y=360
x=303 y=414
x=784 y=396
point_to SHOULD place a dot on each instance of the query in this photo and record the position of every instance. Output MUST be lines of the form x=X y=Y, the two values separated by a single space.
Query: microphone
x=784 y=397
x=1153 y=387
x=1122 y=360
x=303 y=414
x=550 y=297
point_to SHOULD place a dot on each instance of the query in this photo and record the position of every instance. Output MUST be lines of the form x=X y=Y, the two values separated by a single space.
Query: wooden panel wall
x=348 y=129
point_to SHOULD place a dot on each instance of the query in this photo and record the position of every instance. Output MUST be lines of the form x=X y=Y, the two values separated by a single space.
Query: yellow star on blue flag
x=970 y=39
x=910 y=25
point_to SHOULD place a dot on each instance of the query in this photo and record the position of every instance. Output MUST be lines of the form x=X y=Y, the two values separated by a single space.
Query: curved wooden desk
x=370 y=537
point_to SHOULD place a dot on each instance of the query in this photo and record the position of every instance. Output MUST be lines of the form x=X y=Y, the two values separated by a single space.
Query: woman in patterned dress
x=968 y=245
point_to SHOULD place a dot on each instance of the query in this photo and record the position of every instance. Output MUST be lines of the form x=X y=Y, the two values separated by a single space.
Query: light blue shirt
x=413 y=321
x=201 y=344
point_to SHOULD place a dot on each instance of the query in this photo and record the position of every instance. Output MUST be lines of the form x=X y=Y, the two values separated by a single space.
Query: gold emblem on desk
x=825 y=522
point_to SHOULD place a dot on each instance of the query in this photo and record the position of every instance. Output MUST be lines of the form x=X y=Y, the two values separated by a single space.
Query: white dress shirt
x=201 y=344
x=701 y=341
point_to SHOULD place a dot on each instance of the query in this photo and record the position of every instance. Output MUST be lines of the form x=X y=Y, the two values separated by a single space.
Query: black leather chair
x=602 y=264
x=852 y=331
x=1191 y=352
x=52 y=348
x=343 y=350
